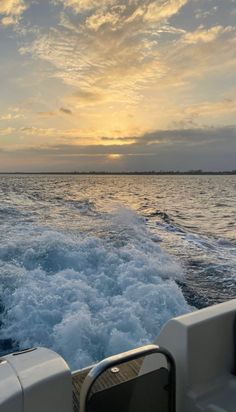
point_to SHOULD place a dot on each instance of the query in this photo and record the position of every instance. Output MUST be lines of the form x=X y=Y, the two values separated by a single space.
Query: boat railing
x=133 y=381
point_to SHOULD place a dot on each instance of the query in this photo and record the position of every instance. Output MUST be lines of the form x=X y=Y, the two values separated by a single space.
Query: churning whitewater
x=88 y=271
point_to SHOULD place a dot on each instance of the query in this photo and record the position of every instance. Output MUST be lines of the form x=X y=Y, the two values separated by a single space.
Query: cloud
x=203 y=14
x=95 y=21
x=191 y=137
x=110 y=55
x=120 y=14
x=65 y=111
x=11 y=116
x=80 y=6
x=118 y=69
x=112 y=10
x=6 y=131
x=202 y=35
x=179 y=149
x=187 y=136
x=145 y=143
x=50 y=136
x=46 y=114
x=11 y=10
x=225 y=106
x=86 y=96
x=53 y=113
x=48 y=132
x=118 y=54
x=100 y=68
x=161 y=10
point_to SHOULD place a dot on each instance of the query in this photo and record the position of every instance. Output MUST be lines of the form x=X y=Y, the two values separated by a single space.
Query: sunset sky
x=117 y=85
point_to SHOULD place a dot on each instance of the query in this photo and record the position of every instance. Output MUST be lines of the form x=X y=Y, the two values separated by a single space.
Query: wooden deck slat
x=127 y=371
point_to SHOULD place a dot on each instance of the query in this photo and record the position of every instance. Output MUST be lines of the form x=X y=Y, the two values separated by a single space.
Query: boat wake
x=87 y=296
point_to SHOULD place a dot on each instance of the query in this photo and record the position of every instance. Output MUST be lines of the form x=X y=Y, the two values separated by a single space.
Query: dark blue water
x=93 y=265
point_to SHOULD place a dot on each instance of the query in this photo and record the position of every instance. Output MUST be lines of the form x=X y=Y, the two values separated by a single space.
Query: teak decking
x=127 y=371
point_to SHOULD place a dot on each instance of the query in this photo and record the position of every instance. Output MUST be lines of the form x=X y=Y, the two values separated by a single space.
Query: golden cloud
x=202 y=35
x=153 y=10
x=80 y=6
x=112 y=56
x=97 y=20
x=124 y=68
x=161 y=10
x=11 y=10
x=7 y=131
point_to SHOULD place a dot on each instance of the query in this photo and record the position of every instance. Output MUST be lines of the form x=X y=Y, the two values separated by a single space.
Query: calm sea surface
x=94 y=265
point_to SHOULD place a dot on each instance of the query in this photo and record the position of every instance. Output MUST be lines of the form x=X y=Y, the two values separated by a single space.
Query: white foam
x=88 y=297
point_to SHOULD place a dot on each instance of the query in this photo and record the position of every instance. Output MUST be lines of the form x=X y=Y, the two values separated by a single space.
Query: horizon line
x=152 y=172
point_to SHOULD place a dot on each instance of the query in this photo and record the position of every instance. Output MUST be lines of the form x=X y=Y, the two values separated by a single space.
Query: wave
x=163 y=215
x=87 y=297
x=85 y=206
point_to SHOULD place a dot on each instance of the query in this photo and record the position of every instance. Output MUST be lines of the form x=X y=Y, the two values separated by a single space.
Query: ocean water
x=94 y=265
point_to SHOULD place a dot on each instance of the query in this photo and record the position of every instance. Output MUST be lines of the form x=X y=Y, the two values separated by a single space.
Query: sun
x=114 y=156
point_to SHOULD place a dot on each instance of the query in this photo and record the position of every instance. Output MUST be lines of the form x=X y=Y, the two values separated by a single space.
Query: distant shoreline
x=150 y=173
